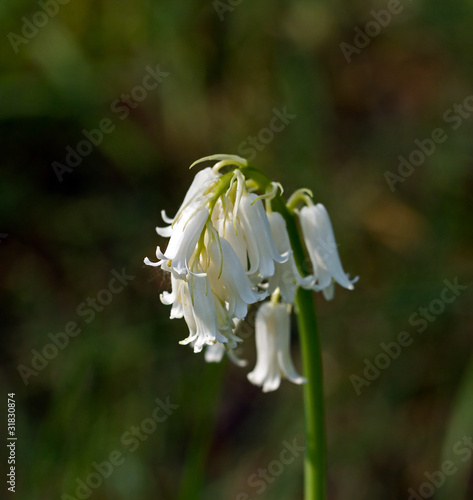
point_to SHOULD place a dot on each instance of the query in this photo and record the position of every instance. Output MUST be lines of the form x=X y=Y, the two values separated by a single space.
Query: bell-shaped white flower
x=203 y=314
x=261 y=249
x=286 y=276
x=322 y=248
x=228 y=279
x=272 y=331
x=185 y=234
x=230 y=229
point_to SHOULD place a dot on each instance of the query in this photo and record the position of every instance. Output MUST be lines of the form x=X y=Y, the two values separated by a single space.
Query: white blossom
x=272 y=332
x=230 y=229
x=203 y=314
x=184 y=236
x=230 y=281
x=262 y=252
x=322 y=248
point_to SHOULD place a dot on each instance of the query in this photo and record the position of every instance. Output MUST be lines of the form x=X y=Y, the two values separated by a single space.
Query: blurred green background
x=224 y=68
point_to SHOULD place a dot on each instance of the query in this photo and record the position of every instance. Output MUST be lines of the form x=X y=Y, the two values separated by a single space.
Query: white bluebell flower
x=272 y=332
x=322 y=248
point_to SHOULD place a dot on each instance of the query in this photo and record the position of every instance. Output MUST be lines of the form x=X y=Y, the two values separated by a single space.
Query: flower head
x=229 y=248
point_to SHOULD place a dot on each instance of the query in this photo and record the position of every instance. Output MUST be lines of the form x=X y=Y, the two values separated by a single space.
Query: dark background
x=68 y=231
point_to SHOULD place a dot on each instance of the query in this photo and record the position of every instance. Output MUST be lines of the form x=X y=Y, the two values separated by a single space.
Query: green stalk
x=314 y=414
x=314 y=473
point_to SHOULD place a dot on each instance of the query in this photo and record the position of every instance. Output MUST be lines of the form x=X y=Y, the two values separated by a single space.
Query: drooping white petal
x=226 y=271
x=262 y=252
x=286 y=365
x=185 y=235
x=322 y=248
x=151 y=263
x=265 y=368
x=165 y=218
x=272 y=331
x=178 y=298
x=165 y=232
x=180 y=307
x=168 y=298
x=239 y=178
x=205 y=314
x=184 y=302
x=232 y=231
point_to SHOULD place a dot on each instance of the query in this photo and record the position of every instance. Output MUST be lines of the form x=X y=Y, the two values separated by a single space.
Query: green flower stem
x=315 y=462
x=313 y=397
x=315 y=465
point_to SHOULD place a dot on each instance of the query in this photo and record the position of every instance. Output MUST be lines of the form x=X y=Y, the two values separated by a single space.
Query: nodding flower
x=272 y=332
x=228 y=250
x=322 y=248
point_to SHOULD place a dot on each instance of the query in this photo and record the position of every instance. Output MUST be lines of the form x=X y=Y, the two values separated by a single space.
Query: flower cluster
x=230 y=248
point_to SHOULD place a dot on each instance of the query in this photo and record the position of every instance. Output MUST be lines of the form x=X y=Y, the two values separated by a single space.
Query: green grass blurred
x=225 y=78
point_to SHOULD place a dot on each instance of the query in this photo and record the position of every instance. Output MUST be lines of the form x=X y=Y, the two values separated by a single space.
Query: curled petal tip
x=165 y=218
x=150 y=263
